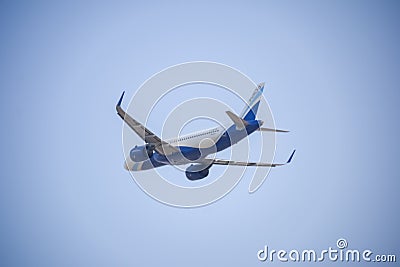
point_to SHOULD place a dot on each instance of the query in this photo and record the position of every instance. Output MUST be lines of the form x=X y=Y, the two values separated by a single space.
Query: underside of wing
x=243 y=163
x=160 y=146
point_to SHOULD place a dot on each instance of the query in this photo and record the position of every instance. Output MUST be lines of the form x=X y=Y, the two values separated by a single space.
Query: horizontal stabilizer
x=239 y=122
x=273 y=130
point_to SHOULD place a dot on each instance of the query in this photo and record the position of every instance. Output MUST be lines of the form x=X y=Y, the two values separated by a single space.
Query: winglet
x=120 y=100
x=291 y=156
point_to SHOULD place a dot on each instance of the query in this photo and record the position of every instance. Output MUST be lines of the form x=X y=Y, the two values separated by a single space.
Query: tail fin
x=250 y=110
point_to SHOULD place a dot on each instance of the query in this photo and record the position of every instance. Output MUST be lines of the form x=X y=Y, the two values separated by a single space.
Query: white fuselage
x=201 y=139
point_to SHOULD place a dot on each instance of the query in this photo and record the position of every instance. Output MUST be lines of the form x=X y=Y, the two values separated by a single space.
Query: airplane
x=189 y=149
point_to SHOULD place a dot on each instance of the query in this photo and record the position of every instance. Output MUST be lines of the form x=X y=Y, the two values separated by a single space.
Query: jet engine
x=197 y=171
x=141 y=153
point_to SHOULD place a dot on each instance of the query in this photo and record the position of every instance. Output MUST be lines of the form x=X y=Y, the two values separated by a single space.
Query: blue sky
x=331 y=73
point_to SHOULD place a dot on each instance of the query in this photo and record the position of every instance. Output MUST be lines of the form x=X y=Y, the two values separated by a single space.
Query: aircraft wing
x=148 y=136
x=242 y=163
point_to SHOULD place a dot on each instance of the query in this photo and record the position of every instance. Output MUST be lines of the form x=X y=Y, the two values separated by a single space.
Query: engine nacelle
x=197 y=172
x=141 y=153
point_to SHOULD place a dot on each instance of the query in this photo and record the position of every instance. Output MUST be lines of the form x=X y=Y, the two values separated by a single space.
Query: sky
x=331 y=73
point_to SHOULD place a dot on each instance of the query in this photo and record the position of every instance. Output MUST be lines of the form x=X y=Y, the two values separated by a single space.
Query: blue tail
x=249 y=112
